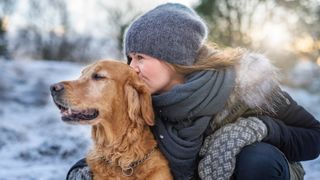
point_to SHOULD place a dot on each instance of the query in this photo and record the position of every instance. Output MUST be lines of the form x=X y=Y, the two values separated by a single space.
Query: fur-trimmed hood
x=256 y=86
x=256 y=79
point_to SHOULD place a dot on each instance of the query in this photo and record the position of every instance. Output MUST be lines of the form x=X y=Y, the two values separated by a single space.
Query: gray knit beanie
x=171 y=32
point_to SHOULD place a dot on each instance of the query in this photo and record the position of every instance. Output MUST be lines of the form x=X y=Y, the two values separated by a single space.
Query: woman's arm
x=294 y=131
x=79 y=171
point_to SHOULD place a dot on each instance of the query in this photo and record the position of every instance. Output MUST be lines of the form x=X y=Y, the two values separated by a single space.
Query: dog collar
x=128 y=170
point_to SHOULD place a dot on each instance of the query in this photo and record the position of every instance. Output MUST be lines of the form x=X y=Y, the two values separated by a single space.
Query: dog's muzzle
x=57 y=89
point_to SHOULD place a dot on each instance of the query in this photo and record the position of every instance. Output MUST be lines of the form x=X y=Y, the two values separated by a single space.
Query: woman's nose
x=134 y=66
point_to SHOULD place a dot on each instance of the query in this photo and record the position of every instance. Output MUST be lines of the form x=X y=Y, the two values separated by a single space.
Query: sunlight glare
x=272 y=35
x=276 y=35
x=5 y=22
x=304 y=44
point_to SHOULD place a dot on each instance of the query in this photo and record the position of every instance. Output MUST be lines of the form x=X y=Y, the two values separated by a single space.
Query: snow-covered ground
x=36 y=145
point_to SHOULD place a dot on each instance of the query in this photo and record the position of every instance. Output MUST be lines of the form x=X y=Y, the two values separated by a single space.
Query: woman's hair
x=210 y=57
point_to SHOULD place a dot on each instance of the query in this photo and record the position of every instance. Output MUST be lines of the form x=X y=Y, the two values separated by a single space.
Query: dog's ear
x=139 y=101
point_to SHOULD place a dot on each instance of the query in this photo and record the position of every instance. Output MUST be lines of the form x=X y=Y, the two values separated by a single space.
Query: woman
x=219 y=113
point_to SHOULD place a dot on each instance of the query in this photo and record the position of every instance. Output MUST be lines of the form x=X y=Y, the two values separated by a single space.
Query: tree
x=119 y=17
x=6 y=8
x=232 y=22
x=49 y=34
x=3 y=40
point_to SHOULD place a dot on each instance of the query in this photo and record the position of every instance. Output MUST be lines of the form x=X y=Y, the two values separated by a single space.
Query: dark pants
x=261 y=161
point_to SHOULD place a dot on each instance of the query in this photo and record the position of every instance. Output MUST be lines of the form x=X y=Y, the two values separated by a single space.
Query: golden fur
x=120 y=132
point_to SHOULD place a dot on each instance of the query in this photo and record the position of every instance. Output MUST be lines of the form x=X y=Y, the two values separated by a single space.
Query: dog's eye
x=97 y=76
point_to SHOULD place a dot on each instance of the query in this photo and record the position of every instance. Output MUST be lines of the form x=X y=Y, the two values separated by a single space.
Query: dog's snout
x=56 y=88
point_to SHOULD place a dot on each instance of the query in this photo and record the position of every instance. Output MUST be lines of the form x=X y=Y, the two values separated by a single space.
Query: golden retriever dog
x=111 y=98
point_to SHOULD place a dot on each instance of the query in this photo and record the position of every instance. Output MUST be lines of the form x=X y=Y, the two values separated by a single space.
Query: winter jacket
x=294 y=131
x=291 y=128
x=257 y=94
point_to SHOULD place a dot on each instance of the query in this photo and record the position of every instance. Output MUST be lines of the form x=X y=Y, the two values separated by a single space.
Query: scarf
x=183 y=115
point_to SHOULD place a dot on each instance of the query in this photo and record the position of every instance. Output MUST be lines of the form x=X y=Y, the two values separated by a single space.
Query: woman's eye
x=97 y=76
x=139 y=57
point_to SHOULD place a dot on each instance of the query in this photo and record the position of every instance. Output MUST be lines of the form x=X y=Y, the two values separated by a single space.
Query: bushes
x=32 y=43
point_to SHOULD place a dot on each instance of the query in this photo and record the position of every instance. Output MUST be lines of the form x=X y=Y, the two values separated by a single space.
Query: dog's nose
x=56 y=88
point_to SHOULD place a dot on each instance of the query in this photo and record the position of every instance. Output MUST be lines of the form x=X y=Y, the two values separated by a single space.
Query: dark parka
x=294 y=131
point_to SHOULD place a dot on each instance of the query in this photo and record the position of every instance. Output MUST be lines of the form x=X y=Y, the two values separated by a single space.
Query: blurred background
x=287 y=31
x=42 y=42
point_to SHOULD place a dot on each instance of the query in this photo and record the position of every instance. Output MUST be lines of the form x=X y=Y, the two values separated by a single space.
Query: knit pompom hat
x=171 y=32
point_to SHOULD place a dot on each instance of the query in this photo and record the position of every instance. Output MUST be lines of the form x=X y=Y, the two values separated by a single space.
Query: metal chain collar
x=128 y=170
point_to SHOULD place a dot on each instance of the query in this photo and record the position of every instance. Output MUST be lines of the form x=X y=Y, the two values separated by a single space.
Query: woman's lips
x=145 y=80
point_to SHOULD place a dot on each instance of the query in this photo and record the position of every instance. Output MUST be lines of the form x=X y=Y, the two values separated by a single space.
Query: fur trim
x=256 y=86
x=256 y=79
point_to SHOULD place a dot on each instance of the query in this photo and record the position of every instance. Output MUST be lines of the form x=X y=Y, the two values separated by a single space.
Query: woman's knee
x=261 y=161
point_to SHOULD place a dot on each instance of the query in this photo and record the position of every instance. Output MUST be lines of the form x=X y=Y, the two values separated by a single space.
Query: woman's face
x=158 y=75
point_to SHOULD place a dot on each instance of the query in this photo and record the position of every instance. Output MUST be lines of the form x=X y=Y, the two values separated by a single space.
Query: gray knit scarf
x=183 y=114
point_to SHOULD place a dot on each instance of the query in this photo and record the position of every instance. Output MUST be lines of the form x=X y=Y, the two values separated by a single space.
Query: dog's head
x=105 y=89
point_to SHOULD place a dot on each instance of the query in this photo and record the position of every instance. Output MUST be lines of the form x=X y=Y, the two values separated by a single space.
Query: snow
x=36 y=144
